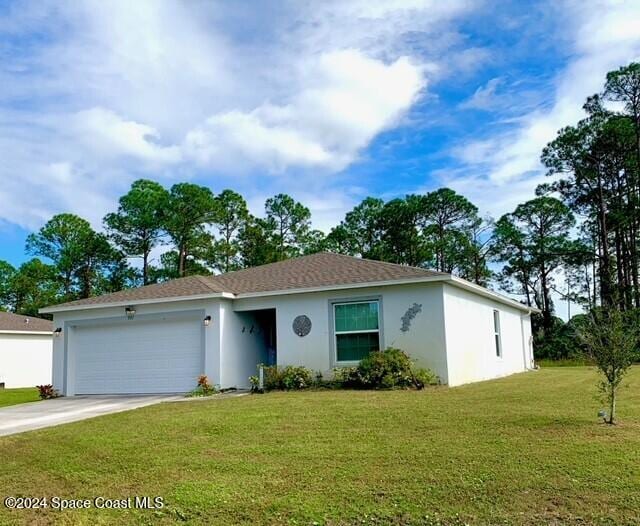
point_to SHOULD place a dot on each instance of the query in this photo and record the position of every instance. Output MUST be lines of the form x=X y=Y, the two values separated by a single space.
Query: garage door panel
x=138 y=357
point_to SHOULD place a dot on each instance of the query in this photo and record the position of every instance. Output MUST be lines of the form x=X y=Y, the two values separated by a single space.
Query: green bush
x=388 y=369
x=560 y=342
x=425 y=377
x=344 y=376
x=288 y=378
x=296 y=378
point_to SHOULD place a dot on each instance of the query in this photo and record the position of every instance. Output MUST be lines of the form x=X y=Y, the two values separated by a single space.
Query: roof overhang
x=481 y=291
x=346 y=286
x=445 y=278
x=36 y=333
x=70 y=308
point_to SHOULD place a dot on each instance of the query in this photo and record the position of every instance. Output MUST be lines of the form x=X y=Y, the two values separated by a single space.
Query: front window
x=357 y=330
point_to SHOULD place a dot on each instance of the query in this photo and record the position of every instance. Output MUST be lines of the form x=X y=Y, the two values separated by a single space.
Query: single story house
x=321 y=311
x=25 y=350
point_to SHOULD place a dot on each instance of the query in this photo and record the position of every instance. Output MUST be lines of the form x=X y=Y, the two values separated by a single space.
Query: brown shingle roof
x=189 y=286
x=18 y=322
x=307 y=272
x=318 y=270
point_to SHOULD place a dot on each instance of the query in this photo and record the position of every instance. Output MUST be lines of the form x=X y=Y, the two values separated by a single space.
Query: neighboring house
x=320 y=311
x=25 y=350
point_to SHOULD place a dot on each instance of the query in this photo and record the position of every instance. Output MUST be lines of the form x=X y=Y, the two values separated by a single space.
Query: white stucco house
x=320 y=311
x=25 y=350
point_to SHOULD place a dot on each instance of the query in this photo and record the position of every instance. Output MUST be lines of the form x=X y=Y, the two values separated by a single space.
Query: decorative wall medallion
x=302 y=325
x=411 y=313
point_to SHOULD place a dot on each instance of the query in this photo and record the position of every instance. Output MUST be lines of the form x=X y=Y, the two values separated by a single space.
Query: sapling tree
x=610 y=338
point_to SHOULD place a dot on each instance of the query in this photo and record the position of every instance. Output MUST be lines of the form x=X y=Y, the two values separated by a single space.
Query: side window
x=496 y=332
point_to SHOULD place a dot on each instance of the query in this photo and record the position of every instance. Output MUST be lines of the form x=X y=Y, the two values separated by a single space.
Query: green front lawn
x=18 y=396
x=522 y=450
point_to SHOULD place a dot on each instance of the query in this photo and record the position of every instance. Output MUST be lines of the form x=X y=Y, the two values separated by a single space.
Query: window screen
x=357 y=330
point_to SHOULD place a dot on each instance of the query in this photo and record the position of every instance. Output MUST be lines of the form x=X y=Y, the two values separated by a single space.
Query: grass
x=18 y=396
x=565 y=362
x=527 y=449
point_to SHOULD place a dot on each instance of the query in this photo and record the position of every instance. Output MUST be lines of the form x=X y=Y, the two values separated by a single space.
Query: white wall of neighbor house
x=25 y=359
x=470 y=337
x=424 y=341
x=97 y=316
x=242 y=345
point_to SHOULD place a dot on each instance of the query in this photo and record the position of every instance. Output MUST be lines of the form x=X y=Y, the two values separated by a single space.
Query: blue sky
x=328 y=101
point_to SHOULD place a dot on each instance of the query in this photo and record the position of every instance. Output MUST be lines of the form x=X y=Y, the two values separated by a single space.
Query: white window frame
x=497 y=333
x=332 y=307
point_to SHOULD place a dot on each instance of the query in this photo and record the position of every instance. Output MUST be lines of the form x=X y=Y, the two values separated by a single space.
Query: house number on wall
x=302 y=325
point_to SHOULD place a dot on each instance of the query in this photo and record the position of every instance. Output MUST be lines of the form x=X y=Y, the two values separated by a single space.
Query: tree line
x=576 y=238
x=187 y=229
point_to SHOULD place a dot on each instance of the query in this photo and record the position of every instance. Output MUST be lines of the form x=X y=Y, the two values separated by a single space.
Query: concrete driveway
x=36 y=415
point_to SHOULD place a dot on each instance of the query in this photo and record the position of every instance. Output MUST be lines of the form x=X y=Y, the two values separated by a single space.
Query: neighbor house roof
x=323 y=271
x=10 y=322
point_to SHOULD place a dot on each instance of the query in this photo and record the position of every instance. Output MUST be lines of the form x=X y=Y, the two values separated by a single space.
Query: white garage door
x=138 y=357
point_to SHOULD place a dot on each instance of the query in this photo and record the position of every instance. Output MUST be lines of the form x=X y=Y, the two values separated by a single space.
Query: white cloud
x=484 y=97
x=291 y=93
x=602 y=37
x=105 y=132
x=348 y=99
x=228 y=137
x=475 y=152
x=608 y=24
x=174 y=90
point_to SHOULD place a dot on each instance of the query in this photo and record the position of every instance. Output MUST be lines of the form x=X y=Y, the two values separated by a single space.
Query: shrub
x=388 y=369
x=425 y=377
x=204 y=388
x=296 y=378
x=288 y=378
x=47 y=392
x=560 y=341
x=255 y=384
x=272 y=378
x=345 y=376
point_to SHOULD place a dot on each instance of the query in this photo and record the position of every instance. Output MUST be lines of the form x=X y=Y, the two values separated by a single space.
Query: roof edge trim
x=481 y=291
x=37 y=333
x=69 y=308
x=363 y=285
x=445 y=278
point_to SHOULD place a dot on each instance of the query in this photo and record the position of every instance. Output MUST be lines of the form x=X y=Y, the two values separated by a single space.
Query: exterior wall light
x=130 y=312
x=207 y=321
x=57 y=332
